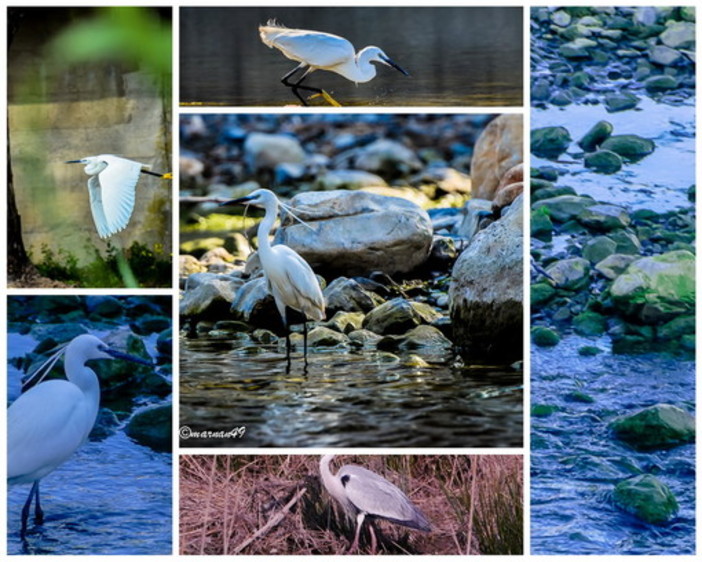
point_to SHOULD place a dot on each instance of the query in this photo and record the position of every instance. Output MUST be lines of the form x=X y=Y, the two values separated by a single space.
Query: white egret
x=315 y=50
x=363 y=493
x=290 y=278
x=112 y=188
x=52 y=419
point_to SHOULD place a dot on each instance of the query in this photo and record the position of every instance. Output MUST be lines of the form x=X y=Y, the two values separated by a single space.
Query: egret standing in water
x=363 y=493
x=51 y=420
x=112 y=188
x=315 y=50
x=290 y=278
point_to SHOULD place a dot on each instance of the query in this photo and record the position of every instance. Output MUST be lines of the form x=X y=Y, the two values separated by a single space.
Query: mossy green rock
x=564 y=207
x=398 y=316
x=550 y=142
x=620 y=101
x=151 y=426
x=589 y=351
x=541 y=293
x=541 y=225
x=677 y=328
x=679 y=35
x=613 y=266
x=647 y=498
x=658 y=427
x=590 y=323
x=603 y=162
x=599 y=133
x=661 y=83
x=572 y=273
x=629 y=147
x=599 y=248
x=543 y=410
x=656 y=289
x=544 y=337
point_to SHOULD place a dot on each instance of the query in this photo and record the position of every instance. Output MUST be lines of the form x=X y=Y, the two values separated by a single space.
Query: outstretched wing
x=96 y=207
x=117 y=187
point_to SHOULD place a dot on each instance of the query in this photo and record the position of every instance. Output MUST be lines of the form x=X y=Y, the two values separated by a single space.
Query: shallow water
x=111 y=497
x=575 y=463
x=455 y=56
x=658 y=182
x=346 y=399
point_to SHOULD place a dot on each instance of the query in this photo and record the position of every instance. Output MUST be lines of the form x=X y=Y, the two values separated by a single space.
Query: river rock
x=254 y=305
x=347 y=179
x=151 y=426
x=263 y=151
x=544 y=337
x=627 y=242
x=498 y=149
x=589 y=323
x=629 y=147
x=657 y=427
x=679 y=35
x=325 y=337
x=656 y=289
x=104 y=306
x=564 y=207
x=187 y=265
x=663 y=55
x=597 y=134
x=578 y=48
x=660 y=83
x=344 y=294
x=486 y=294
x=474 y=211
x=620 y=101
x=422 y=336
x=354 y=232
x=345 y=322
x=398 y=315
x=597 y=249
x=647 y=498
x=572 y=274
x=550 y=142
x=603 y=161
x=209 y=295
x=604 y=217
x=385 y=157
x=364 y=338
x=614 y=265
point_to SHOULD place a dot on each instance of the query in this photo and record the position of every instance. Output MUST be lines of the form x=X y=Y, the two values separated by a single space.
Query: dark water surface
x=456 y=56
x=346 y=399
x=575 y=462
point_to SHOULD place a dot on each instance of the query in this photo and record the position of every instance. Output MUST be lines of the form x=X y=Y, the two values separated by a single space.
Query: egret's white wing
x=117 y=192
x=43 y=430
x=96 y=207
x=315 y=48
x=294 y=279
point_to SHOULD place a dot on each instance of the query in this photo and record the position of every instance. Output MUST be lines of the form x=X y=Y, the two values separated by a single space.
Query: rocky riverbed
x=613 y=272
x=402 y=213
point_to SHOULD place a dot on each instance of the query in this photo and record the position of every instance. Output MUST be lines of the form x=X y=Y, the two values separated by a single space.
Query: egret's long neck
x=265 y=226
x=360 y=69
x=333 y=484
x=85 y=379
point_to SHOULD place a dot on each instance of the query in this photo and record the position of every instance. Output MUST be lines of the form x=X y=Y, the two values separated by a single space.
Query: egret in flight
x=112 y=188
x=315 y=50
x=290 y=278
x=52 y=419
x=363 y=493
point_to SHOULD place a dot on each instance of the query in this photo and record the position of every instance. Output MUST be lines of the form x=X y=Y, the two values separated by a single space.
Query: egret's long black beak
x=72 y=162
x=239 y=201
x=389 y=62
x=119 y=355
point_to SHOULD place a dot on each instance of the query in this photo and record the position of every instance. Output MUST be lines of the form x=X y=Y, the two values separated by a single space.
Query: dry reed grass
x=275 y=504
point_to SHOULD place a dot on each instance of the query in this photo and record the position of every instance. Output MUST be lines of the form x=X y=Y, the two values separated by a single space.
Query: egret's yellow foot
x=330 y=100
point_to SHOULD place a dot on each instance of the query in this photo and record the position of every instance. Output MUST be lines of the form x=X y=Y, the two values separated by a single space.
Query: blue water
x=111 y=497
x=575 y=463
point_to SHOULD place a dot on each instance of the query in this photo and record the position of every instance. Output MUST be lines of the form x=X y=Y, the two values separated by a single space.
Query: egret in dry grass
x=112 y=188
x=315 y=50
x=290 y=278
x=52 y=419
x=363 y=493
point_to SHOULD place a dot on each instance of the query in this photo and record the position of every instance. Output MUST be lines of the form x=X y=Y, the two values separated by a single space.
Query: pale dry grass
x=275 y=504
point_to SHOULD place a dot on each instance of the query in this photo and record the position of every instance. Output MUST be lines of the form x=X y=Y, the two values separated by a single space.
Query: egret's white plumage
x=363 y=493
x=316 y=50
x=50 y=421
x=290 y=278
x=112 y=189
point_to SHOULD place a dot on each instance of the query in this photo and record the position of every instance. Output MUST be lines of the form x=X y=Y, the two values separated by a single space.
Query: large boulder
x=656 y=289
x=646 y=498
x=657 y=427
x=486 y=290
x=498 y=149
x=355 y=233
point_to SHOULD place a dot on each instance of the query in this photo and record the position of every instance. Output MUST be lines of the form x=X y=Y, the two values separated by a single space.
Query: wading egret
x=315 y=50
x=112 y=188
x=46 y=424
x=290 y=278
x=363 y=493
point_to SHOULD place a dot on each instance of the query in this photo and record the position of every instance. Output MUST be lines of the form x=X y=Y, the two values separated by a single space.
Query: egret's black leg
x=38 y=511
x=27 y=506
x=295 y=86
x=286 y=326
x=304 y=332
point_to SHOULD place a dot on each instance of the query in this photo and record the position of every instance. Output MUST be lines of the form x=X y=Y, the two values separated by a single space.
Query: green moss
x=544 y=337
